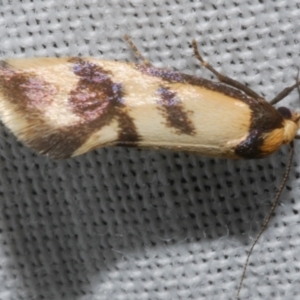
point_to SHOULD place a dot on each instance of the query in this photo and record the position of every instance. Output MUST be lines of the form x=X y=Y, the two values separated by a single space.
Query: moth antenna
x=266 y=222
x=136 y=51
x=223 y=78
x=286 y=91
x=298 y=88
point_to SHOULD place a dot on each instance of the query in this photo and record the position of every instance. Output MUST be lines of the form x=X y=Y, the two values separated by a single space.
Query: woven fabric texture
x=132 y=224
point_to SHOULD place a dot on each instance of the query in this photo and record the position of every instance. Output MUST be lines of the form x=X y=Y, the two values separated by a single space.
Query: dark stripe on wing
x=172 y=109
x=99 y=101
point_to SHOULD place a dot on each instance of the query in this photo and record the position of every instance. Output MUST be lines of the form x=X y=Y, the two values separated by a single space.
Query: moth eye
x=285 y=112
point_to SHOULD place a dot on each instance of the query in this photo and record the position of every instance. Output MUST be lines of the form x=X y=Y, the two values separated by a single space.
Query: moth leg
x=136 y=51
x=222 y=77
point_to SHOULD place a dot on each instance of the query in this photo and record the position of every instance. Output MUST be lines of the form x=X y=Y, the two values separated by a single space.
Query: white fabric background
x=140 y=224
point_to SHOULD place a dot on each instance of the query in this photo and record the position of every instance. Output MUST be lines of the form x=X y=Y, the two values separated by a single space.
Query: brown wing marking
x=98 y=100
x=264 y=118
x=28 y=91
x=28 y=96
x=172 y=109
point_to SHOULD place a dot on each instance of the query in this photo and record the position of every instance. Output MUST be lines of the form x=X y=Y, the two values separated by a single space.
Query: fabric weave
x=140 y=224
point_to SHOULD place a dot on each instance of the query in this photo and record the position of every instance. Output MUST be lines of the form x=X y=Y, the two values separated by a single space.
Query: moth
x=64 y=107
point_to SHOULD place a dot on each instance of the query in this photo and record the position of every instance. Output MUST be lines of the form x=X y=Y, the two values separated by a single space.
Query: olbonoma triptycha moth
x=64 y=107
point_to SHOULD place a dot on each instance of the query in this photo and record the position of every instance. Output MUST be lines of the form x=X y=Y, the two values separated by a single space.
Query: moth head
x=291 y=124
